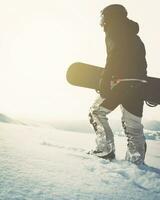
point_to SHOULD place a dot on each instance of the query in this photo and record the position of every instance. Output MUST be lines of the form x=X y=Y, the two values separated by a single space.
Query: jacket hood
x=122 y=26
x=132 y=26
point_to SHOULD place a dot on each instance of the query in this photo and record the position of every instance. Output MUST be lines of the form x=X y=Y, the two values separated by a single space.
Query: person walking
x=121 y=84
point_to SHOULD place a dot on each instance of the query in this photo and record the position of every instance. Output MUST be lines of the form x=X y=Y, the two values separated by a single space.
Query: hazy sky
x=40 y=38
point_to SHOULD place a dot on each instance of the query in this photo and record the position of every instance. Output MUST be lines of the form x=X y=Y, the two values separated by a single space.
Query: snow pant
x=132 y=108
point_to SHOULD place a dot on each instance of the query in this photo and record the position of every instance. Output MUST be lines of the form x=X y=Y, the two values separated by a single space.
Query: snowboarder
x=121 y=84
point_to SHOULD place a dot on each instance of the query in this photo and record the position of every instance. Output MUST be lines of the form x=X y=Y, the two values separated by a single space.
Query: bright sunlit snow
x=43 y=163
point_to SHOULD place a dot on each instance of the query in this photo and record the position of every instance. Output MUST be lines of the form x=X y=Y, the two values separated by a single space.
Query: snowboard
x=88 y=76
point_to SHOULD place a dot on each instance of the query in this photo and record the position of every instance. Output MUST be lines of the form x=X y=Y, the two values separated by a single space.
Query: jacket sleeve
x=105 y=79
x=106 y=76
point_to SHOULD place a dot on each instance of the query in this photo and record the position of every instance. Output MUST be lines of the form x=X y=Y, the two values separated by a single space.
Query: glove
x=104 y=88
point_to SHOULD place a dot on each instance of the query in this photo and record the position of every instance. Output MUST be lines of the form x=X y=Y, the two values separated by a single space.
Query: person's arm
x=104 y=83
x=106 y=76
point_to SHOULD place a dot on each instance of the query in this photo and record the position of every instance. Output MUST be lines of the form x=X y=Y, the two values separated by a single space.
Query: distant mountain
x=84 y=126
x=73 y=125
x=152 y=125
x=79 y=125
x=4 y=118
x=151 y=128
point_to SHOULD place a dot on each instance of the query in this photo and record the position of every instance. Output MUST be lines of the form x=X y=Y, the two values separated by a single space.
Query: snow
x=43 y=163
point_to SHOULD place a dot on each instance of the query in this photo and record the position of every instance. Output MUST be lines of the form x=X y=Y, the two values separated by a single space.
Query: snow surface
x=40 y=163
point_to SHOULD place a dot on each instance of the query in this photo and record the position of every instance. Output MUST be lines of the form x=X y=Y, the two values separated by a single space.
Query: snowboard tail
x=88 y=76
x=84 y=75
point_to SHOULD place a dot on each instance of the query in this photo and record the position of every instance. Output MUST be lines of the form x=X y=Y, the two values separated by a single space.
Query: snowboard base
x=88 y=76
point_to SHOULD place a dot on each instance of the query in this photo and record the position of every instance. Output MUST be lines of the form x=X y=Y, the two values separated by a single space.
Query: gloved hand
x=104 y=87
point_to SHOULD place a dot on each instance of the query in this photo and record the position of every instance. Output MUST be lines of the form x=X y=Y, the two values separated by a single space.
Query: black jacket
x=125 y=51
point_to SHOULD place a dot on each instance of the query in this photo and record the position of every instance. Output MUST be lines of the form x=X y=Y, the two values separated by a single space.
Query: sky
x=39 y=39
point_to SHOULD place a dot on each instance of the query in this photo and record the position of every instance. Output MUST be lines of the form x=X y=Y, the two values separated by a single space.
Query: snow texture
x=40 y=163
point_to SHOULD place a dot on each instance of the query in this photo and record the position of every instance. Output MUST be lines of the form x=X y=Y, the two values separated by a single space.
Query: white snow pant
x=104 y=135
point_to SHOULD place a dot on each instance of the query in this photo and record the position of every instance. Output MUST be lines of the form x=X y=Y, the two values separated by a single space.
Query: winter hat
x=112 y=13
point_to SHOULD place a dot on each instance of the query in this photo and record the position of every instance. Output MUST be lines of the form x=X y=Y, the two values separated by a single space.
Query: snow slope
x=40 y=163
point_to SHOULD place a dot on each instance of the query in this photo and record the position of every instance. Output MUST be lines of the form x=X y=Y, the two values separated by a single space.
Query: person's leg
x=105 y=147
x=133 y=128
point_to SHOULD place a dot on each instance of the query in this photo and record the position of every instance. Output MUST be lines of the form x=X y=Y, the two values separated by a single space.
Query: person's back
x=125 y=61
x=125 y=50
